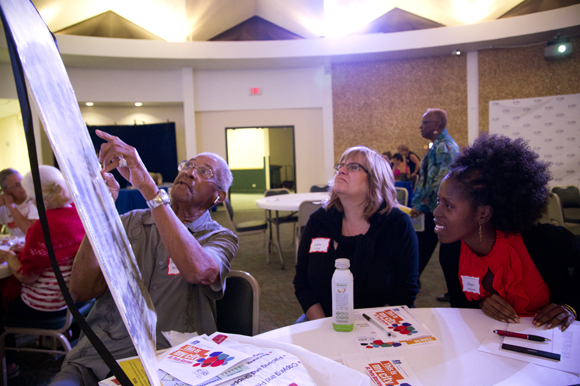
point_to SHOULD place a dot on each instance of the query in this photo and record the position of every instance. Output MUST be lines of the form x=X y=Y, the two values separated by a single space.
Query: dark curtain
x=155 y=143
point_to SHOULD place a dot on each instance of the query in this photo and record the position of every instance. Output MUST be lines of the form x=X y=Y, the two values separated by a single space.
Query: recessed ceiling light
x=138 y=104
x=89 y=104
x=456 y=52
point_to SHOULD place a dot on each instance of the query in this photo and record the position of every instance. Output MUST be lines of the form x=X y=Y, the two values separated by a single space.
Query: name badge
x=319 y=244
x=171 y=268
x=470 y=284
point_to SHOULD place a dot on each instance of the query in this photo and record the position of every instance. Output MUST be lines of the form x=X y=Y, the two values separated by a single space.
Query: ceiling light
x=138 y=104
x=456 y=52
x=89 y=104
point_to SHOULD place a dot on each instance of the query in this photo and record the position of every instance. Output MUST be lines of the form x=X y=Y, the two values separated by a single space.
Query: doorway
x=260 y=158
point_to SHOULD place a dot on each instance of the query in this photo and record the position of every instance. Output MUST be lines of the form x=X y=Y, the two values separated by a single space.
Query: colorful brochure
x=390 y=327
x=198 y=360
x=383 y=369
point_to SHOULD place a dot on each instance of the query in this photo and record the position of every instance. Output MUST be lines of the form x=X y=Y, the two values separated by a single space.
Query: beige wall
x=13 y=149
x=210 y=128
x=380 y=104
x=517 y=73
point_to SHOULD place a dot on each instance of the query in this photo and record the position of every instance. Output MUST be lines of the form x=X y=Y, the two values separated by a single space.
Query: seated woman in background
x=504 y=262
x=360 y=222
x=400 y=168
x=32 y=291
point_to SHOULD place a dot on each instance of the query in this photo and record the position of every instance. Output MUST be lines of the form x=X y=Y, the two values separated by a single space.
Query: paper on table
x=384 y=369
x=405 y=330
x=539 y=375
x=567 y=344
x=199 y=359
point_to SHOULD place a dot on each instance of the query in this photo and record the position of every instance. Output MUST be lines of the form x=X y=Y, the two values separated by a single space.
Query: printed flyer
x=383 y=369
x=268 y=366
x=199 y=360
x=390 y=327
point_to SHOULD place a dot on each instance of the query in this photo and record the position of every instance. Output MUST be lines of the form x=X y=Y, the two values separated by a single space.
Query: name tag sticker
x=470 y=284
x=319 y=244
x=171 y=268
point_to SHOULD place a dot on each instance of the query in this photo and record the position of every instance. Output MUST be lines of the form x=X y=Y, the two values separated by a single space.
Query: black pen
x=531 y=351
x=535 y=338
x=376 y=324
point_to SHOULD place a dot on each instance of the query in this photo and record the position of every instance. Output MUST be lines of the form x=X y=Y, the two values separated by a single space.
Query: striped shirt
x=44 y=294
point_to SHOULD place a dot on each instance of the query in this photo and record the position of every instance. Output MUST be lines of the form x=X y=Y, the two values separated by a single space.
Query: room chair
x=279 y=219
x=402 y=196
x=570 y=202
x=553 y=214
x=319 y=188
x=246 y=227
x=414 y=181
x=305 y=210
x=238 y=312
x=53 y=328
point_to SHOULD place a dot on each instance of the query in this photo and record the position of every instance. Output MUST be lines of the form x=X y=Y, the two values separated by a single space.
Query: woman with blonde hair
x=32 y=291
x=360 y=222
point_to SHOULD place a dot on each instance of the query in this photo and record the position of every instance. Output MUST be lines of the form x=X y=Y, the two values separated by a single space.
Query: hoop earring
x=480 y=233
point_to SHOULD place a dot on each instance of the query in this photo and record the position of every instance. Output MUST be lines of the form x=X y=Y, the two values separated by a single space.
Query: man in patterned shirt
x=434 y=166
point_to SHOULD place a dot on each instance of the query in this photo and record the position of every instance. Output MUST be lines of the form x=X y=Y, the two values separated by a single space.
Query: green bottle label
x=342 y=327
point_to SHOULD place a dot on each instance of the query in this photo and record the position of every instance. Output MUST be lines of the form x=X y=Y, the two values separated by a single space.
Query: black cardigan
x=554 y=250
x=384 y=263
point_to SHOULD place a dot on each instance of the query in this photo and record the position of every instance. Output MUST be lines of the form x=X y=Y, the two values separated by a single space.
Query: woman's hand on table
x=499 y=309
x=553 y=315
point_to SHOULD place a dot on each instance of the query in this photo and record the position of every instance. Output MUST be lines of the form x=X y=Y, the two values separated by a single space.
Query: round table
x=287 y=202
x=456 y=361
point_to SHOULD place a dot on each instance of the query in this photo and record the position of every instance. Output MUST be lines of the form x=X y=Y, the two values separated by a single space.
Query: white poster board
x=550 y=125
x=54 y=96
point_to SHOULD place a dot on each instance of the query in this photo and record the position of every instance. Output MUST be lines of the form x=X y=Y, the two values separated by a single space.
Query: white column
x=472 y=96
x=328 y=124
x=188 y=88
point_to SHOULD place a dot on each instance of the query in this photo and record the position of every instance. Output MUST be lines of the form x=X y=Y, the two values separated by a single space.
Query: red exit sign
x=255 y=91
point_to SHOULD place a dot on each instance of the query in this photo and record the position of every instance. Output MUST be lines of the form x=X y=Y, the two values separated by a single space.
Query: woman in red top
x=493 y=254
x=32 y=291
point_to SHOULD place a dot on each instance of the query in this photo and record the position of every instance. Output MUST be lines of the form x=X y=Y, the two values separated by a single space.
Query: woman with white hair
x=360 y=222
x=32 y=291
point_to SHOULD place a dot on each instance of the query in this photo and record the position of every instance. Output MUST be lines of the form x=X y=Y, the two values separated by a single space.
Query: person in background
x=411 y=159
x=32 y=291
x=434 y=167
x=400 y=168
x=498 y=258
x=183 y=255
x=17 y=209
x=360 y=222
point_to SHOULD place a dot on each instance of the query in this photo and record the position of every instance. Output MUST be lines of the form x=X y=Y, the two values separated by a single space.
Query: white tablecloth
x=456 y=362
x=289 y=202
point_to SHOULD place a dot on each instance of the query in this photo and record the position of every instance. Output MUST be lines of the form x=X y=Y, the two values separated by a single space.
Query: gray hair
x=223 y=175
x=4 y=174
x=53 y=185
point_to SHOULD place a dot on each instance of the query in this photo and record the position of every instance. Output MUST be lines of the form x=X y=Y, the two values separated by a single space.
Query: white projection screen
x=55 y=99
x=550 y=125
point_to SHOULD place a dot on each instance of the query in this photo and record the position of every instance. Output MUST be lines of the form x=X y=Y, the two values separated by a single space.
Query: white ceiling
x=183 y=20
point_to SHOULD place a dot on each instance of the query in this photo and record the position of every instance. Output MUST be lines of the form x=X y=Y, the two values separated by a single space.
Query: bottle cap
x=342 y=263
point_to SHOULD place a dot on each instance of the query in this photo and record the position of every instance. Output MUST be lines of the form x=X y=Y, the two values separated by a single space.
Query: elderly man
x=17 y=210
x=183 y=255
x=434 y=166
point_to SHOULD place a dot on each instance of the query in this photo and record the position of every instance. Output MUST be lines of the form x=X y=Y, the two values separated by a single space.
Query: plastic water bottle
x=342 y=296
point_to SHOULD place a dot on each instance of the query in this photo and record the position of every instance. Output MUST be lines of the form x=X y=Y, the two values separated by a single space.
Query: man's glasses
x=352 y=167
x=203 y=172
x=425 y=122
